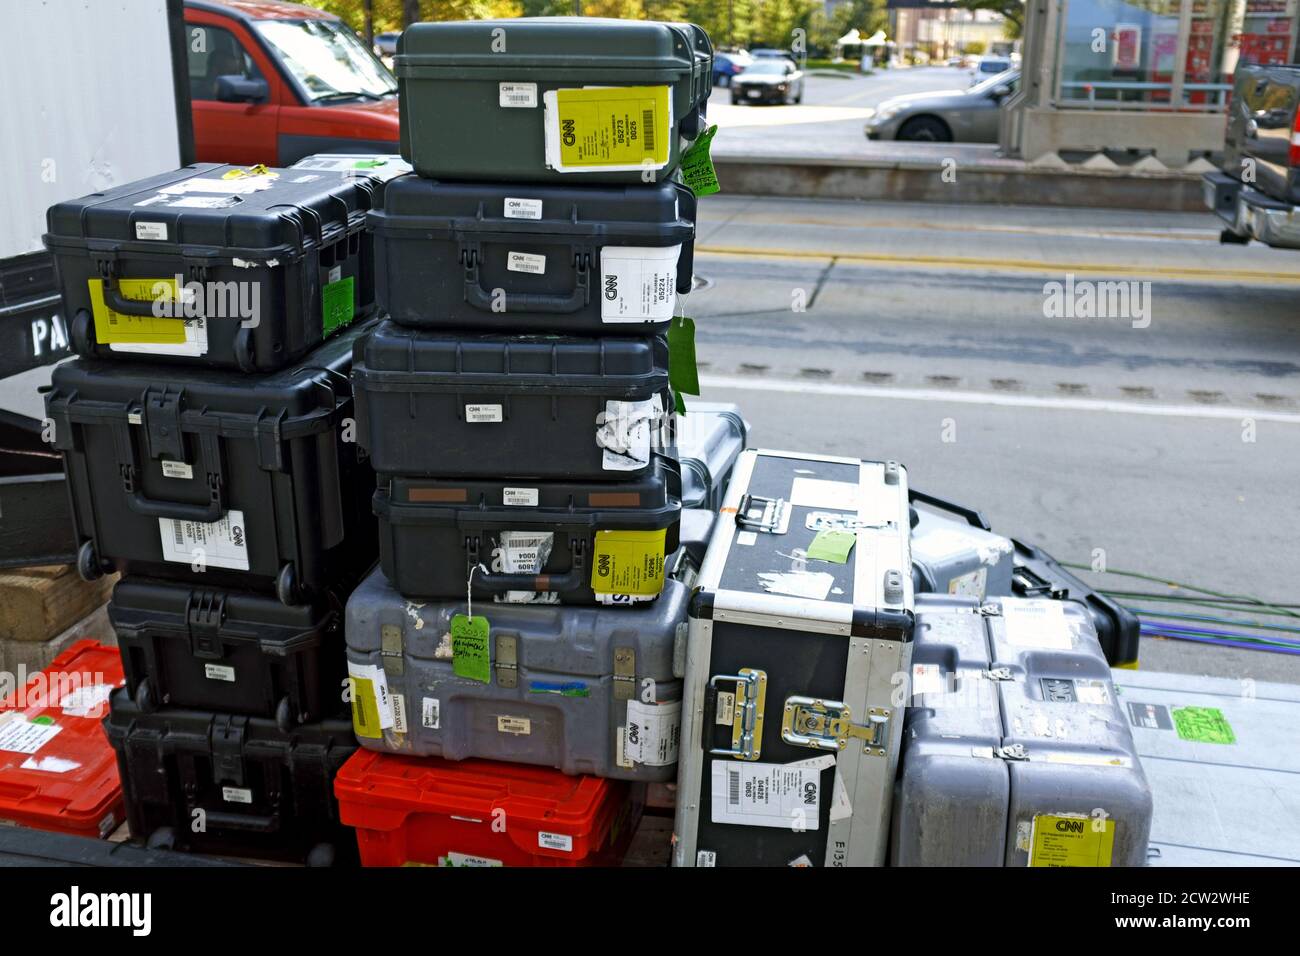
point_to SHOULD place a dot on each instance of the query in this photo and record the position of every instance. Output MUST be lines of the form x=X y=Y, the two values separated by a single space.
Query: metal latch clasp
x=828 y=725
x=747 y=713
x=771 y=515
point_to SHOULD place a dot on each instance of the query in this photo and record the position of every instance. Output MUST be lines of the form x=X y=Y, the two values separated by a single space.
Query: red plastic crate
x=425 y=811
x=57 y=770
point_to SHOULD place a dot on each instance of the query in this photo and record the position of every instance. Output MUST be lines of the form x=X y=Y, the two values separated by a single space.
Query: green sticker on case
x=697 y=166
x=337 y=305
x=1203 y=725
x=833 y=546
x=469 y=648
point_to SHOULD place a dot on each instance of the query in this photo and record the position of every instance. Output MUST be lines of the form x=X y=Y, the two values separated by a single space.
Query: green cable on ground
x=1178 y=584
x=1224 y=604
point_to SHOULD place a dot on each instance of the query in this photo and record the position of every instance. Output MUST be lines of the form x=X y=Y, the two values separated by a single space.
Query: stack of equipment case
x=207 y=439
x=801 y=622
x=1018 y=751
x=516 y=408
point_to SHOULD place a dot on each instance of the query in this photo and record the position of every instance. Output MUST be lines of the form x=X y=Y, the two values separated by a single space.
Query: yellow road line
x=1046 y=268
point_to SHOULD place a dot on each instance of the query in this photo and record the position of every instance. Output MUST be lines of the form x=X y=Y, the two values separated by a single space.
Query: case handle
x=142 y=504
x=497 y=582
x=558 y=304
x=250 y=823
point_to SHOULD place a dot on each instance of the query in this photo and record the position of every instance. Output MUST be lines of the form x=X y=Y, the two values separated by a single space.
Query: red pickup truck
x=272 y=82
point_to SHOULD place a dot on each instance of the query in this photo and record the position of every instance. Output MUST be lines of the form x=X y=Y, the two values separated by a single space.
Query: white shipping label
x=706 y=858
x=1091 y=692
x=177 y=469
x=219 y=544
x=623 y=430
x=483 y=413
x=195 y=344
x=620 y=749
x=555 y=841
x=519 y=497
x=747 y=538
x=927 y=679
x=970 y=585
x=242 y=186
x=86 y=701
x=769 y=794
x=335 y=273
x=236 y=795
x=517 y=95
x=518 y=726
x=725 y=710
x=1036 y=623
x=219 y=672
x=379 y=681
x=20 y=735
x=523 y=208
x=151 y=230
x=399 y=714
x=429 y=713
x=623 y=600
x=653 y=732
x=819 y=493
x=525 y=262
x=814 y=585
x=523 y=552
x=638 y=283
x=205 y=202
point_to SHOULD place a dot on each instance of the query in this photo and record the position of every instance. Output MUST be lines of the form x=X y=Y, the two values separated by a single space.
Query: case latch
x=228 y=751
x=160 y=414
x=746 y=713
x=828 y=725
x=205 y=614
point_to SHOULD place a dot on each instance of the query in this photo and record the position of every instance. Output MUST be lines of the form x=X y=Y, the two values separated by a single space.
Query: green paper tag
x=697 y=166
x=1202 y=725
x=469 y=648
x=369 y=163
x=683 y=374
x=336 y=301
x=43 y=720
x=832 y=546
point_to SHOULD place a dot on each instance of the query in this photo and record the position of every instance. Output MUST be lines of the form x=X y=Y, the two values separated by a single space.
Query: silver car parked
x=967 y=116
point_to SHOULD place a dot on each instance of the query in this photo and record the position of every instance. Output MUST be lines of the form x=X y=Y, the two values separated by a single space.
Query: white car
x=989 y=66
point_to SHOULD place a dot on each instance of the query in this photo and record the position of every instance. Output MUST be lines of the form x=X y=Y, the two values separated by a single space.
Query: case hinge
x=204 y=615
x=507 y=661
x=746 y=713
x=828 y=725
x=989 y=610
x=999 y=673
x=390 y=649
x=624 y=673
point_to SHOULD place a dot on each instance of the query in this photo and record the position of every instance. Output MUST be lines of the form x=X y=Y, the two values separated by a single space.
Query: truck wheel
x=164 y=838
x=1229 y=238
x=322 y=854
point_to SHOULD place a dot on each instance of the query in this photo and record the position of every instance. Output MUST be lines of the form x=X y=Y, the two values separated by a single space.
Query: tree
x=1013 y=11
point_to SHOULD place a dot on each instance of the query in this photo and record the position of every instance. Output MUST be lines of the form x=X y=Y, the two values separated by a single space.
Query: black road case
x=274 y=257
x=800 y=634
x=232 y=651
x=568 y=542
x=594 y=260
x=436 y=403
x=237 y=786
x=221 y=480
x=548 y=99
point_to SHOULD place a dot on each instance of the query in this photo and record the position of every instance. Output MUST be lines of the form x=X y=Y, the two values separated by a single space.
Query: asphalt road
x=832 y=113
x=1173 y=446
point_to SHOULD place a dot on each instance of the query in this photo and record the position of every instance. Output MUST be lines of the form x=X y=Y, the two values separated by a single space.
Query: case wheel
x=88 y=562
x=164 y=838
x=286 y=586
x=244 y=350
x=322 y=854
x=79 y=333
x=284 y=715
x=144 y=697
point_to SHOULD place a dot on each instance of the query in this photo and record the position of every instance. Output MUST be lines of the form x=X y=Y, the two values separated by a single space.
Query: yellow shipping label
x=365 y=709
x=114 y=327
x=618 y=127
x=628 y=562
x=1071 y=841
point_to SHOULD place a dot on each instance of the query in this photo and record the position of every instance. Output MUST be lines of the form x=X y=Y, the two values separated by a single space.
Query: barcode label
x=517 y=95
x=648 y=130
x=733 y=787
x=176 y=533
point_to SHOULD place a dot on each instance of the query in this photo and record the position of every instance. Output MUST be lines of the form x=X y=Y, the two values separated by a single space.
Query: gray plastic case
x=1015 y=751
x=955 y=557
x=583 y=689
x=709 y=438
